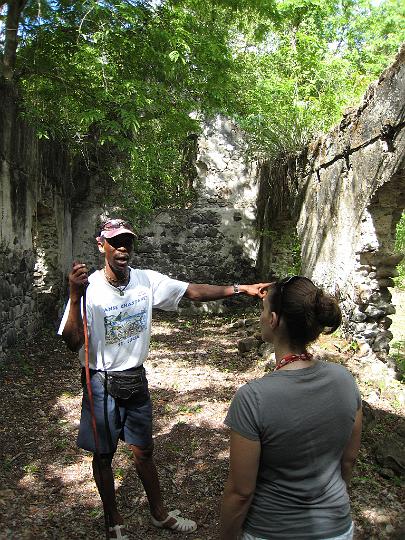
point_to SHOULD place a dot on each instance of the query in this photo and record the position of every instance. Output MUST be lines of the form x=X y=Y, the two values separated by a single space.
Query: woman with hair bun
x=295 y=433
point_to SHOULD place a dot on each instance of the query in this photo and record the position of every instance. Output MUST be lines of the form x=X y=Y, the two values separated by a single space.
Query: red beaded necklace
x=289 y=358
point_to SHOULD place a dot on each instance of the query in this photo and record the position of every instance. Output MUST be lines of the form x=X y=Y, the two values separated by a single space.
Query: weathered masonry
x=40 y=196
x=334 y=206
x=344 y=195
x=35 y=182
x=214 y=240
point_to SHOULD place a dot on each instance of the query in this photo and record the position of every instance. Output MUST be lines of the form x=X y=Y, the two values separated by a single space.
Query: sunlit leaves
x=119 y=79
x=316 y=58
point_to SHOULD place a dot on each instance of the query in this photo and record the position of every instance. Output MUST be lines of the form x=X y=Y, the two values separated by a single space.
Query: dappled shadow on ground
x=40 y=464
x=46 y=486
x=378 y=500
x=46 y=482
x=192 y=474
x=204 y=340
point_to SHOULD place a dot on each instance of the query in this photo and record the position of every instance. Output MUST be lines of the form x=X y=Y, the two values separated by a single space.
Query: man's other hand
x=78 y=280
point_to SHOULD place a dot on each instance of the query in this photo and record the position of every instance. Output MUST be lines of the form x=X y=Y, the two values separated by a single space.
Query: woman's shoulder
x=247 y=389
x=258 y=385
x=335 y=367
x=339 y=374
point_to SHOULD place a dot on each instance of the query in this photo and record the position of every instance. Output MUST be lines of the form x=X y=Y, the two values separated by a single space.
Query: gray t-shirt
x=303 y=419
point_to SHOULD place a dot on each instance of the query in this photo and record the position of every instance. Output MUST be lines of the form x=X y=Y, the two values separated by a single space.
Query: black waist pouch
x=124 y=384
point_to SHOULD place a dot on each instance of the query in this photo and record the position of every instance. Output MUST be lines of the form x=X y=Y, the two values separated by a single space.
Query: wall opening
x=378 y=266
x=278 y=204
x=47 y=276
x=397 y=349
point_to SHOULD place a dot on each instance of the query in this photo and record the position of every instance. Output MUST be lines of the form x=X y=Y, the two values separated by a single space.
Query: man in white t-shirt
x=119 y=302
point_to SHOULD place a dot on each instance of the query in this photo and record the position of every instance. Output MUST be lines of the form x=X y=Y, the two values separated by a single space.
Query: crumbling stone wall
x=36 y=178
x=345 y=194
x=338 y=201
x=50 y=207
x=215 y=239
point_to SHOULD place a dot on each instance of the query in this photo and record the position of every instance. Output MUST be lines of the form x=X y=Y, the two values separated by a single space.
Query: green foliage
x=295 y=247
x=397 y=352
x=126 y=83
x=400 y=247
x=314 y=60
x=288 y=250
x=31 y=468
x=120 y=81
x=119 y=473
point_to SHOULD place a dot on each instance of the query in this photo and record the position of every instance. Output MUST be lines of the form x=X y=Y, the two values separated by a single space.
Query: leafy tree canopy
x=317 y=58
x=126 y=82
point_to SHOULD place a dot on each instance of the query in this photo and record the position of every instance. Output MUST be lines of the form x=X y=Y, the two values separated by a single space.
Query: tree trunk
x=14 y=10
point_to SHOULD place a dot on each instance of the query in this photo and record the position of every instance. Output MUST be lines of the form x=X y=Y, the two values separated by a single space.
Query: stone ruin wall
x=34 y=224
x=344 y=194
x=50 y=207
x=340 y=198
x=41 y=194
x=215 y=239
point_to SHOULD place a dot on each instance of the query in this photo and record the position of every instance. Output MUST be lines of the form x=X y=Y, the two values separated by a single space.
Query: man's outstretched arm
x=73 y=332
x=199 y=292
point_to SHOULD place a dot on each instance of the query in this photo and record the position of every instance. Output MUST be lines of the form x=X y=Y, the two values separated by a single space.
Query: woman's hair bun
x=327 y=311
x=307 y=310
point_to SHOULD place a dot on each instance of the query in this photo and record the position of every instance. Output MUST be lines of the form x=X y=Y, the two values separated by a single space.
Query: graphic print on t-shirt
x=124 y=325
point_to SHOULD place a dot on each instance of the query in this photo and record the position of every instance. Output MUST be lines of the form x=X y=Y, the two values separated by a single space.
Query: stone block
x=248 y=344
x=390 y=453
x=359 y=328
x=199 y=233
x=358 y=316
x=11 y=338
x=390 y=309
x=374 y=313
x=145 y=248
x=375 y=298
x=370 y=334
x=386 y=282
x=5 y=290
x=169 y=247
x=216 y=160
x=386 y=272
x=382 y=341
x=211 y=232
x=385 y=323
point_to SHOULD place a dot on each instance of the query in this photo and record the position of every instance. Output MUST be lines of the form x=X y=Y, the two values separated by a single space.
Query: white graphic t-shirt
x=120 y=326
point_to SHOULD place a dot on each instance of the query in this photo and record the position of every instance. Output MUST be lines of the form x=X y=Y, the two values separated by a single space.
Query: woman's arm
x=240 y=486
x=352 y=448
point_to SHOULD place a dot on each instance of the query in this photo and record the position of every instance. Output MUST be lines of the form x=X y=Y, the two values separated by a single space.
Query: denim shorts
x=128 y=420
x=348 y=535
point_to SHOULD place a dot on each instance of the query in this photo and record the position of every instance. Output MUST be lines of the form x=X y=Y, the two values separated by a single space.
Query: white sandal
x=181 y=524
x=118 y=533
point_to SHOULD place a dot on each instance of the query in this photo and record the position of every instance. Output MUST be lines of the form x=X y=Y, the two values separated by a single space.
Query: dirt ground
x=194 y=368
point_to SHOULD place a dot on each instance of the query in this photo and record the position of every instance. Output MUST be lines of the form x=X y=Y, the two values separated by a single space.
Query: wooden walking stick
x=93 y=416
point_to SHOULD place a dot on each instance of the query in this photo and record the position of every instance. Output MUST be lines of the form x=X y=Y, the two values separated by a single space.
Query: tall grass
x=400 y=247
